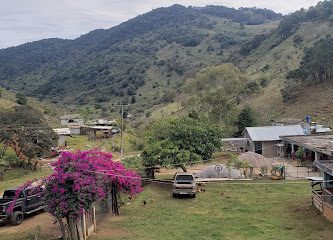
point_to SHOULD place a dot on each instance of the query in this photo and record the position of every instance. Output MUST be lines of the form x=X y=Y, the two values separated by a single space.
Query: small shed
x=95 y=132
x=62 y=133
x=265 y=140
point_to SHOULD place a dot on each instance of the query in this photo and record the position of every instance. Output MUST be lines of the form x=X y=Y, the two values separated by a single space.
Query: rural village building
x=71 y=120
x=267 y=140
x=316 y=147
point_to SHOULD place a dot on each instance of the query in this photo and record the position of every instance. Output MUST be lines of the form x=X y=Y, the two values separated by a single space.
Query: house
x=316 y=147
x=95 y=132
x=71 y=120
x=266 y=140
x=322 y=198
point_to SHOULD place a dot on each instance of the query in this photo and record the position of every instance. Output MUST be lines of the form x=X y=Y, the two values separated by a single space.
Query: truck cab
x=184 y=184
x=29 y=201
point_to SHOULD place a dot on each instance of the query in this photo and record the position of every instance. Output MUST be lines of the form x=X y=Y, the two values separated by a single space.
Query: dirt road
x=43 y=220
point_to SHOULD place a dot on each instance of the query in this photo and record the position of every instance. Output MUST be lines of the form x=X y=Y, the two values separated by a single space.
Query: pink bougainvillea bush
x=82 y=177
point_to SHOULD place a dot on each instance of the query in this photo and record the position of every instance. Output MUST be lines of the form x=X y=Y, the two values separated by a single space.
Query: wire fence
x=97 y=215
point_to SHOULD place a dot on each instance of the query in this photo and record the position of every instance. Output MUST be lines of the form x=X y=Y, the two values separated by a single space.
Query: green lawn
x=81 y=142
x=18 y=176
x=244 y=211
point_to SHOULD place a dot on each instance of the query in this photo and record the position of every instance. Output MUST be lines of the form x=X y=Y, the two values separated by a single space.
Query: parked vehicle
x=29 y=201
x=184 y=184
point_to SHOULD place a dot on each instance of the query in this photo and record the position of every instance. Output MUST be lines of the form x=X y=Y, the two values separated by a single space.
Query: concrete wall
x=75 y=131
x=61 y=140
x=249 y=146
x=269 y=149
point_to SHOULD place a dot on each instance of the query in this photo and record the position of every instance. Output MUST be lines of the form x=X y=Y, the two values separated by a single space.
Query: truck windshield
x=11 y=194
x=184 y=178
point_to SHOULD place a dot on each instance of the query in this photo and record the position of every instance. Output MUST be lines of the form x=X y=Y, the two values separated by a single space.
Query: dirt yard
x=41 y=220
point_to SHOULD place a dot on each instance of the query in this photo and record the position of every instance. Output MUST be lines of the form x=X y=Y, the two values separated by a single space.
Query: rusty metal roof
x=318 y=142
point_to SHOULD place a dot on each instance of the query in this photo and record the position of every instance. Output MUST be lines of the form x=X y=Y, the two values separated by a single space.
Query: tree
x=21 y=99
x=80 y=179
x=246 y=118
x=214 y=92
x=26 y=132
x=180 y=142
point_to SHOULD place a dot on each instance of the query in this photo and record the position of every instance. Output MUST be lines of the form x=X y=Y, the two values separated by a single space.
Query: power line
x=106 y=172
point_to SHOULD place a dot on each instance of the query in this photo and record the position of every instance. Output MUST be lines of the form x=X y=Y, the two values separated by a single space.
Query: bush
x=11 y=160
x=263 y=82
x=251 y=87
x=21 y=99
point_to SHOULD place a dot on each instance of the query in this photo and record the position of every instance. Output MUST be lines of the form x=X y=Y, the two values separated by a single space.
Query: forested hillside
x=135 y=61
x=159 y=61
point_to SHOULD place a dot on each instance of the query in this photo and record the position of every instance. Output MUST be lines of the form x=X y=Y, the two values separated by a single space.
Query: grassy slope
x=18 y=176
x=198 y=57
x=8 y=101
x=281 y=59
x=243 y=212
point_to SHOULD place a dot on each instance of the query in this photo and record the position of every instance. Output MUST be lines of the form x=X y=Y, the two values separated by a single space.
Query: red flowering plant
x=84 y=177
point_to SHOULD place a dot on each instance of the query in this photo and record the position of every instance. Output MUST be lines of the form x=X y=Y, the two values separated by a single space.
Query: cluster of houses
x=74 y=124
x=283 y=139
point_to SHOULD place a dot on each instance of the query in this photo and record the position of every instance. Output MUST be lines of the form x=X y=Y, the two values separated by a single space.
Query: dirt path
x=43 y=220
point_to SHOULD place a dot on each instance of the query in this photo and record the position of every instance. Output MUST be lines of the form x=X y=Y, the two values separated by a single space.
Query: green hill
x=282 y=51
x=134 y=61
x=50 y=111
x=148 y=60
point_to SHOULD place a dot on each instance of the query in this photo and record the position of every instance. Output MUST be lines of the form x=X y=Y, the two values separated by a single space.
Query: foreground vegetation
x=224 y=211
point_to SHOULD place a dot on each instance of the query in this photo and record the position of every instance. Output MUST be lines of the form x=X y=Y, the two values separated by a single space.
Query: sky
x=24 y=21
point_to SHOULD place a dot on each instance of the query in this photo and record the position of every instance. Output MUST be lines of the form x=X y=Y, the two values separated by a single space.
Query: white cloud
x=22 y=21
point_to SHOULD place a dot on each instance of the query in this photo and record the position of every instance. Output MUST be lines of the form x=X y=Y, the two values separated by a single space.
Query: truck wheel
x=174 y=195
x=16 y=218
x=193 y=195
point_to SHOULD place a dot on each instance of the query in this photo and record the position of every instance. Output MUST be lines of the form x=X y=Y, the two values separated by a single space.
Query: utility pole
x=121 y=133
x=122 y=129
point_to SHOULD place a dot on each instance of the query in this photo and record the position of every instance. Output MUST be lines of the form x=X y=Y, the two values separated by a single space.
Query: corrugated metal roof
x=273 y=133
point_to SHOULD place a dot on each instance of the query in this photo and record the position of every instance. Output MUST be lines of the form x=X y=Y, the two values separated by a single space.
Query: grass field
x=243 y=211
x=18 y=176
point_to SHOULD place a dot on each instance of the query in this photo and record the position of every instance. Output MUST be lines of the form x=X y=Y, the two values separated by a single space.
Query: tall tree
x=26 y=132
x=180 y=142
x=246 y=118
x=214 y=91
